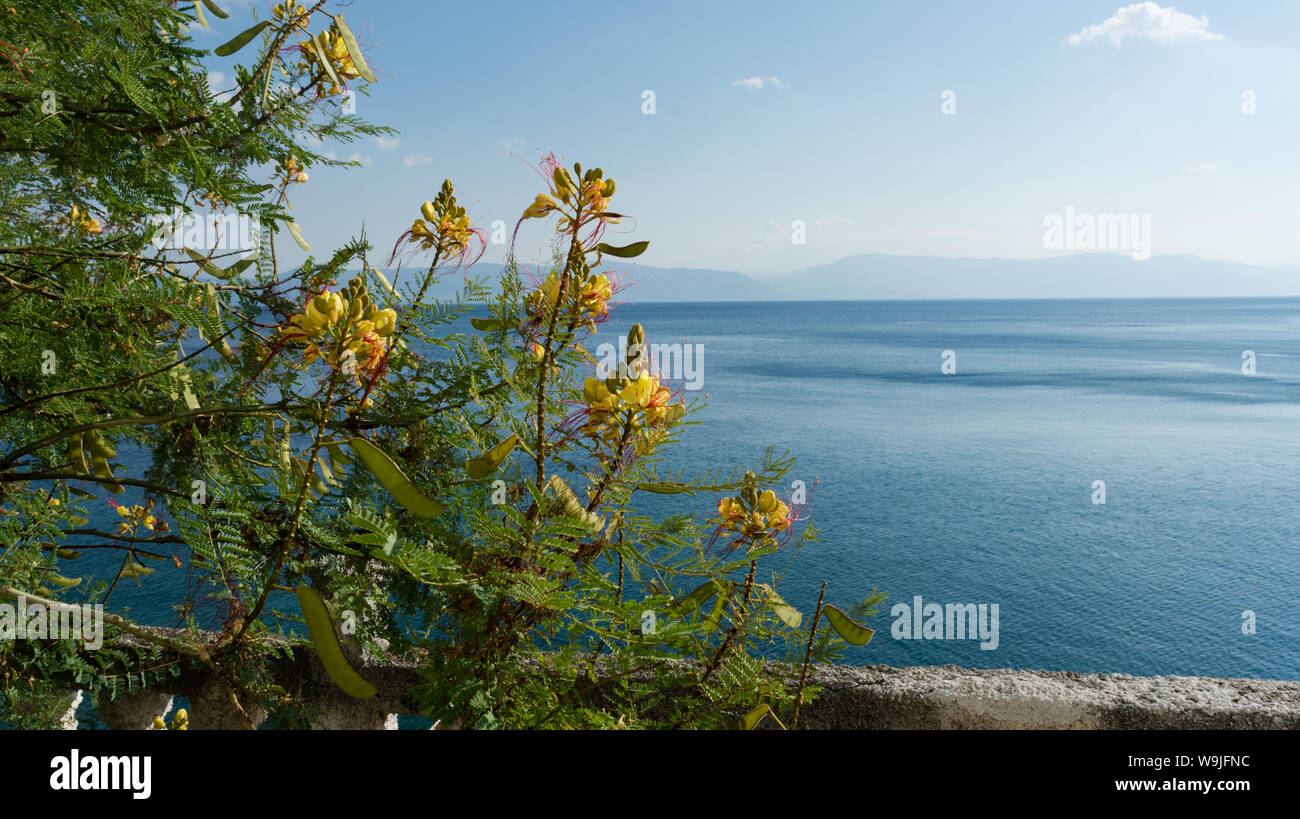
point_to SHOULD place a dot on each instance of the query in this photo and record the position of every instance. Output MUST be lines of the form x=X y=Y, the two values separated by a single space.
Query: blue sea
x=978 y=487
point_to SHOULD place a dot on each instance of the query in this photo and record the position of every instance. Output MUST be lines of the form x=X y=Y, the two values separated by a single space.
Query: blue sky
x=1142 y=114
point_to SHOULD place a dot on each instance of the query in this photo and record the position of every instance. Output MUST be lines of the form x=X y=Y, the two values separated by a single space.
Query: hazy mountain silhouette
x=880 y=276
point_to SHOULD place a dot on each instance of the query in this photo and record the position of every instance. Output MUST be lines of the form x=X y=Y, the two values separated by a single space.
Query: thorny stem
x=287 y=542
x=575 y=248
x=736 y=626
x=428 y=277
x=807 y=658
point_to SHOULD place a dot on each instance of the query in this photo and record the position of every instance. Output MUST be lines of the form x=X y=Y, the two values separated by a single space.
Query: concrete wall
x=877 y=697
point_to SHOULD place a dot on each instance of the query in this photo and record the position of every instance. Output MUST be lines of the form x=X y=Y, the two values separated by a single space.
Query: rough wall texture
x=881 y=697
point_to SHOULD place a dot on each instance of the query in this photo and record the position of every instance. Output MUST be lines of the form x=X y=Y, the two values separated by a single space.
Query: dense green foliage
x=459 y=496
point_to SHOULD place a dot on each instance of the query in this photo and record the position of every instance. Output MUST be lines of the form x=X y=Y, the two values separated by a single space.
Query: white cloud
x=1204 y=167
x=831 y=220
x=217 y=86
x=758 y=81
x=387 y=143
x=413 y=160
x=1147 y=21
x=355 y=156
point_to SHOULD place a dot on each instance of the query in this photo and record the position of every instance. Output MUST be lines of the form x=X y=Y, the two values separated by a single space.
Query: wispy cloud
x=355 y=156
x=217 y=86
x=759 y=81
x=1204 y=167
x=387 y=143
x=414 y=160
x=1146 y=21
x=831 y=220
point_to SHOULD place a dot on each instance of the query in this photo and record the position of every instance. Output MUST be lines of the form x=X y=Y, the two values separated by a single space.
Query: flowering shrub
x=450 y=481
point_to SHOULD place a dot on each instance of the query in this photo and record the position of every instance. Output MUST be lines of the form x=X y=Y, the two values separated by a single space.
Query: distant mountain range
x=879 y=276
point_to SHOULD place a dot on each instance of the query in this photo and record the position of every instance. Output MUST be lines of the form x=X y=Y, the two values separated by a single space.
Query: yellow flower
x=779 y=518
x=82 y=222
x=368 y=348
x=594 y=296
x=327 y=308
x=645 y=393
x=385 y=322
x=545 y=297
x=448 y=228
x=769 y=515
x=730 y=508
x=541 y=206
x=321 y=313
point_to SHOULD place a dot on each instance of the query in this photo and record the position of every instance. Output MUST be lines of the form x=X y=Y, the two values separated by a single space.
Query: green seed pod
x=77 y=454
x=286 y=449
x=101 y=470
x=98 y=448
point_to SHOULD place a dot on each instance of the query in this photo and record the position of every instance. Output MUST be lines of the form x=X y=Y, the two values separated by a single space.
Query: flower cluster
x=636 y=410
x=588 y=198
x=641 y=402
x=135 y=518
x=587 y=305
x=345 y=330
x=290 y=11
x=755 y=515
x=444 y=228
x=336 y=52
x=292 y=171
x=82 y=222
